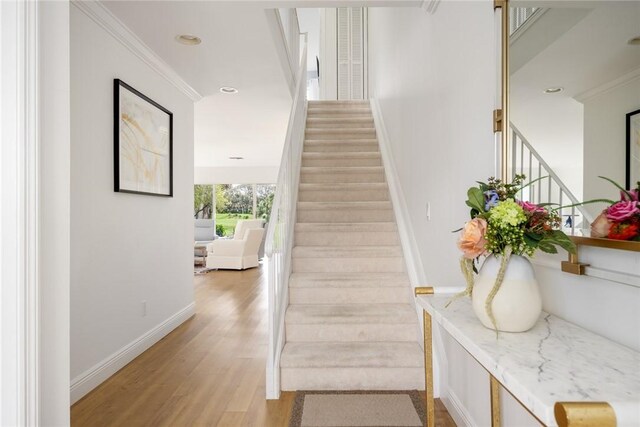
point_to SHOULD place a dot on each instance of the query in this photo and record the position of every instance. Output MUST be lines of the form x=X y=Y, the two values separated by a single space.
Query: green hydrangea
x=505 y=228
x=507 y=213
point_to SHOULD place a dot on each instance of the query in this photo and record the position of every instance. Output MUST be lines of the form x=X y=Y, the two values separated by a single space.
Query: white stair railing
x=550 y=189
x=279 y=239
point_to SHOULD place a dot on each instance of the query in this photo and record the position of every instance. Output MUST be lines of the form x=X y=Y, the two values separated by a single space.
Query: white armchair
x=238 y=253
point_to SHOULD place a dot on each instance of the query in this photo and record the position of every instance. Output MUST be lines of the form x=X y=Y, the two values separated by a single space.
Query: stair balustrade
x=279 y=238
x=545 y=185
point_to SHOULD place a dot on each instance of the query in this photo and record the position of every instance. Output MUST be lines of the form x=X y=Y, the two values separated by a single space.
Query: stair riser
x=397 y=281
x=304 y=238
x=349 y=296
x=344 y=196
x=344 y=135
x=344 y=162
x=348 y=265
x=352 y=379
x=347 y=332
x=340 y=147
x=340 y=124
x=341 y=178
x=333 y=216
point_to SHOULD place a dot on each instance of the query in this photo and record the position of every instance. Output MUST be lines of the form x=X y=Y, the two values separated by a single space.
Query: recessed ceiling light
x=553 y=90
x=634 y=41
x=236 y=158
x=228 y=89
x=188 y=39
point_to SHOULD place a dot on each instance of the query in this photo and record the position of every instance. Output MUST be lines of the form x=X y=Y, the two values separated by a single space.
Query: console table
x=562 y=374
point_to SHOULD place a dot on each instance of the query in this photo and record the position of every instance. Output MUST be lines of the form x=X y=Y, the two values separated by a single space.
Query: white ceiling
x=237 y=50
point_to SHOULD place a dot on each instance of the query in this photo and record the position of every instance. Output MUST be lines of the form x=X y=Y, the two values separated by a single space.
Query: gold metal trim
x=495 y=402
x=498 y=4
x=573 y=266
x=623 y=245
x=584 y=414
x=424 y=290
x=497 y=121
x=428 y=371
x=506 y=84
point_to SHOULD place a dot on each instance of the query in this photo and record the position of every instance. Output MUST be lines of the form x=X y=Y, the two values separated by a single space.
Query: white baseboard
x=94 y=376
x=457 y=410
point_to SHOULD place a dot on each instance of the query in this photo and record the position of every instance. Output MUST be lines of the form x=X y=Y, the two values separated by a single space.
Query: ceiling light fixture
x=553 y=90
x=236 y=158
x=228 y=89
x=634 y=41
x=188 y=39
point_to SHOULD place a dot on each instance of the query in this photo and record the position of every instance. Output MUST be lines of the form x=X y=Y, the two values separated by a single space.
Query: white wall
x=328 y=54
x=125 y=248
x=434 y=79
x=236 y=175
x=605 y=140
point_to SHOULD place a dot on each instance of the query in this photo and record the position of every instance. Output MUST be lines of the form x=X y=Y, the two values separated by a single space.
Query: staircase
x=350 y=323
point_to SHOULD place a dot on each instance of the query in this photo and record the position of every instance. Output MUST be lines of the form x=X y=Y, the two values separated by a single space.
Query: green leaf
x=475 y=199
x=546 y=246
x=531 y=242
x=534 y=236
x=558 y=238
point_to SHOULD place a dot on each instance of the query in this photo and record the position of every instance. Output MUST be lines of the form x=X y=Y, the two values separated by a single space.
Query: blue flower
x=491 y=199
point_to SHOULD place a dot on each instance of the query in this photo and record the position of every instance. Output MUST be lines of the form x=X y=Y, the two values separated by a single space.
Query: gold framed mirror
x=570 y=77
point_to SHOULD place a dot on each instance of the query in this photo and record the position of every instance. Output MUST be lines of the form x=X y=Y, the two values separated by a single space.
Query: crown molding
x=609 y=86
x=107 y=20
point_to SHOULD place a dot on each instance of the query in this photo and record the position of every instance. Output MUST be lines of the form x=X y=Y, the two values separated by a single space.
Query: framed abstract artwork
x=633 y=149
x=143 y=143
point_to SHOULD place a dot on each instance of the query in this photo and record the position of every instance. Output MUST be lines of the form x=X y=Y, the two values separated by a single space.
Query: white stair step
x=343 y=134
x=351 y=322
x=345 y=103
x=345 y=212
x=371 y=259
x=346 y=234
x=352 y=366
x=342 y=174
x=340 y=146
x=340 y=122
x=348 y=280
x=355 y=296
x=342 y=159
x=337 y=192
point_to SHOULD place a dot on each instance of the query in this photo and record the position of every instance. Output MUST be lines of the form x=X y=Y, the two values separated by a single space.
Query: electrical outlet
x=428 y=211
x=144 y=308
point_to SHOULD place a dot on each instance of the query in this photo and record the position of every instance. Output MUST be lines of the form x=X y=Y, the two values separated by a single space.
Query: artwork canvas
x=633 y=148
x=143 y=143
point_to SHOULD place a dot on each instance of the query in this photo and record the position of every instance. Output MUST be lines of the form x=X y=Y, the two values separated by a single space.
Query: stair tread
x=341 y=169
x=345 y=205
x=346 y=252
x=347 y=280
x=351 y=314
x=345 y=227
x=323 y=155
x=351 y=355
x=342 y=186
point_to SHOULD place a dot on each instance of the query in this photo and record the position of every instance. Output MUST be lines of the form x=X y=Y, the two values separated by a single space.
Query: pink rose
x=632 y=195
x=472 y=242
x=622 y=210
x=600 y=226
x=531 y=207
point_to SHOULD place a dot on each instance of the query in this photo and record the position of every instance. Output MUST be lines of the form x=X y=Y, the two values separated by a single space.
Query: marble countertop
x=556 y=361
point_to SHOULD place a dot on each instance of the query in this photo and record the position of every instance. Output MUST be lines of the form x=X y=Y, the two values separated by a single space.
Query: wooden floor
x=210 y=371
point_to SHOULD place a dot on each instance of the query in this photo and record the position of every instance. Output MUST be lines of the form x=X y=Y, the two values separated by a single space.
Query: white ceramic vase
x=517 y=305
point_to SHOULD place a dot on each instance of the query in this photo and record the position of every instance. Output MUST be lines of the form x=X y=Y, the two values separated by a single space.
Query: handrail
x=279 y=238
x=553 y=177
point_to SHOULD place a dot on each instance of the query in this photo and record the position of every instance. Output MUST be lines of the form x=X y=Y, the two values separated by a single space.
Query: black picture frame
x=130 y=157
x=628 y=175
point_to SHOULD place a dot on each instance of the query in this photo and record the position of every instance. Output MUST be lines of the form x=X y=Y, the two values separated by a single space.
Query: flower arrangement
x=502 y=225
x=621 y=220
x=500 y=221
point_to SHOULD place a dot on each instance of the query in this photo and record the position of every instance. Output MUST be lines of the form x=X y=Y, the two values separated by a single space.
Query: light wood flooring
x=210 y=371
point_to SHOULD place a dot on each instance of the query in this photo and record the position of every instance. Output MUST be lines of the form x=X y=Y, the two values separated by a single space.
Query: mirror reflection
x=575 y=83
